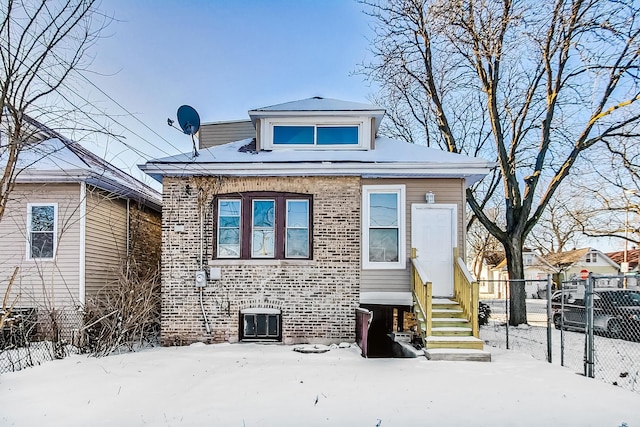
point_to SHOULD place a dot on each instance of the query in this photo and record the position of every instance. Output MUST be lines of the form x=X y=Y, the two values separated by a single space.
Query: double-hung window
x=263 y=225
x=383 y=234
x=41 y=230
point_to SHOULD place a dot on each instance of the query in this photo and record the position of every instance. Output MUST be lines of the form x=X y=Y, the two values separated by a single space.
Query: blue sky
x=223 y=58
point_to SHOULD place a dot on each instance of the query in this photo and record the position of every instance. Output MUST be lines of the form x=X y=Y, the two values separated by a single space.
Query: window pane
x=263 y=213
x=41 y=245
x=249 y=325
x=229 y=228
x=261 y=329
x=298 y=213
x=383 y=210
x=42 y=218
x=337 y=135
x=297 y=243
x=229 y=236
x=228 y=251
x=383 y=245
x=229 y=208
x=293 y=135
x=273 y=325
x=263 y=244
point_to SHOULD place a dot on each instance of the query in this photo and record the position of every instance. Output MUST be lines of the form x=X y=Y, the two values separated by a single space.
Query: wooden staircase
x=451 y=334
x=448 y=327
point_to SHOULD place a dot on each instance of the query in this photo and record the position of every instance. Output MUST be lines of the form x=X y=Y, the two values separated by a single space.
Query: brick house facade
x=317 y=297
x=283 y=236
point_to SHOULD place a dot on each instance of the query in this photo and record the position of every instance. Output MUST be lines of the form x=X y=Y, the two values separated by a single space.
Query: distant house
x=285 y=234
x=571 y=264
x=70 y=223
x=536 y=271
x=631 y=257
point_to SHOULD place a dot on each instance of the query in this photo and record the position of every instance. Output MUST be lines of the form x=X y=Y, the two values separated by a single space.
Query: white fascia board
x=318 y=169
x=69 y=175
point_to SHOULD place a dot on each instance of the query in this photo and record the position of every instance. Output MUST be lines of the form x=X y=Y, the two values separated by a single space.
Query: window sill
x=269 y=262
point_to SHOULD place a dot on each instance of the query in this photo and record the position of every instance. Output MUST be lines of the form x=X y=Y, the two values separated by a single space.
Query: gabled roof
x=542 y=262
x=569 y=258
x=391 y=158
x=52 y=158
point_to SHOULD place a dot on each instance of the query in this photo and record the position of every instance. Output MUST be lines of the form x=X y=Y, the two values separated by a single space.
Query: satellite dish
x=188 y=119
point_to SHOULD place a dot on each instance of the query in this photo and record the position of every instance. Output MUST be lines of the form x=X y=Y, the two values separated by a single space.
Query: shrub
x=484 y=312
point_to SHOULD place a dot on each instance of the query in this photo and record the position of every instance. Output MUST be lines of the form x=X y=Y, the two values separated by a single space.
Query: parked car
x=616 y=312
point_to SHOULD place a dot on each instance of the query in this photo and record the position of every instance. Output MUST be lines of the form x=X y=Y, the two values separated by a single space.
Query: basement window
x=261 y=324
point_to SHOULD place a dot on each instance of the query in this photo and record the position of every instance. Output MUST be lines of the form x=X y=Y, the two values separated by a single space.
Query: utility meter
x=201 y=279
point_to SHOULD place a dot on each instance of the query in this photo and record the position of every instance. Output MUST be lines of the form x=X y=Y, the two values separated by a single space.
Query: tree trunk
x=515 y=266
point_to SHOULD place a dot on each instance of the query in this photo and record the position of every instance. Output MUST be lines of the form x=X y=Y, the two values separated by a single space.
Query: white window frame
x=363 y=124
x=30 y=207
x=220 y=201
x=400 y=190
x=592 y=257
x=287 y=228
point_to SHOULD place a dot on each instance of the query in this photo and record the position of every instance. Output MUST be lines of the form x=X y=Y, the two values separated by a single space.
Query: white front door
x=434 y=234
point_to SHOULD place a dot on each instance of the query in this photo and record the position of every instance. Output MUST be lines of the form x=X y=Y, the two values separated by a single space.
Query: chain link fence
x=32 y=336
x=590 y=326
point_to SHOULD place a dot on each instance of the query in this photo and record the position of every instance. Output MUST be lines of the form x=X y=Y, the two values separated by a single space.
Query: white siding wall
x=106 y=239
x=446 y=191
x=51 y=284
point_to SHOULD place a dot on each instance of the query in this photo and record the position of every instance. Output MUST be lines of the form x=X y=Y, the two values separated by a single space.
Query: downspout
x=200 y=290
x=83 y=244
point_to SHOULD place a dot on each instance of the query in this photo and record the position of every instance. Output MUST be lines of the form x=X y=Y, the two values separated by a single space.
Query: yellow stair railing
x=422 y=289
x=465 y=290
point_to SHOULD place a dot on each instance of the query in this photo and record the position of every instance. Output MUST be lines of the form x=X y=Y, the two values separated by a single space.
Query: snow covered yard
x=271 y=385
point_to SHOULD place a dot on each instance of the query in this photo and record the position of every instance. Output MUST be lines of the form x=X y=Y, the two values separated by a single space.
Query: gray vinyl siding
x=448 y=191
x=105 y=240
x=40 y=283
x=212 y=134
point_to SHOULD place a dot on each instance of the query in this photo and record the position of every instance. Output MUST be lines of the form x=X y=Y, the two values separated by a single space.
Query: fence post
x=589 y=328
x=506 y=311
x=549 y=320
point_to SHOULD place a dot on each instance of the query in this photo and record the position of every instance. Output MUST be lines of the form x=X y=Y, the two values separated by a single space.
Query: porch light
x=430 y=197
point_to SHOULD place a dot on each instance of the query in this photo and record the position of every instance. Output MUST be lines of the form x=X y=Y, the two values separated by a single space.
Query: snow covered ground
x=271 y=385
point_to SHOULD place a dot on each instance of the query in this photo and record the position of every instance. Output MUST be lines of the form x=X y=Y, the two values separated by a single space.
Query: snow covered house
x=69 y=224
x=286 y=234
x=571 y=265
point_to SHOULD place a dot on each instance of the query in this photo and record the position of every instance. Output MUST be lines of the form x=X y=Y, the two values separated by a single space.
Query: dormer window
x=315 y=133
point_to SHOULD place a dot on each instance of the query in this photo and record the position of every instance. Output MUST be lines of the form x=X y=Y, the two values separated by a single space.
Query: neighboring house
x=71 y=222
x=571 y=264
x=296 y=227
x=631 y=257
x=536 y=271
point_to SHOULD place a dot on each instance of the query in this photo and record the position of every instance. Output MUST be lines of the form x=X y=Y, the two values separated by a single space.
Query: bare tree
x=42 y=43
x=532 y=84
x=560 y=227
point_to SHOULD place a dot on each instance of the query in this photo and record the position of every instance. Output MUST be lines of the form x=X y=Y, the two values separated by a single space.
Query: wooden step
x=444 y=322
x=451 y=330
x=453 y=342
x=458 y=355
x=448 y=313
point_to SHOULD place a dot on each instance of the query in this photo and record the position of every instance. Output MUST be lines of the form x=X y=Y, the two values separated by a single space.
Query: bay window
x=263 y=225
